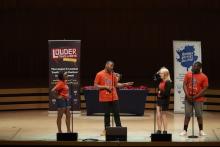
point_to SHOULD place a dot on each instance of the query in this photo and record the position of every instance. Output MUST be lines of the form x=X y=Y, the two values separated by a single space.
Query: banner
x=185 y=54
x=64 y=55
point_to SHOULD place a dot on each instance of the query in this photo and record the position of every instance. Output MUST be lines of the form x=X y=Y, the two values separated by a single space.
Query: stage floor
x=37 y=125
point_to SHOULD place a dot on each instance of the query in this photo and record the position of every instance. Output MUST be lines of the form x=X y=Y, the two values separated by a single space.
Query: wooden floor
x=37 y=125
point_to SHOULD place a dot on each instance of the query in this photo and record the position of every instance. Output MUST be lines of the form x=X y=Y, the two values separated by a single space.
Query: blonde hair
x=166 y=73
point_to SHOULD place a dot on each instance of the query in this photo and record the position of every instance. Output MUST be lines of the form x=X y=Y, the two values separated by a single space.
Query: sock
x=185 y=127
x=200 y=127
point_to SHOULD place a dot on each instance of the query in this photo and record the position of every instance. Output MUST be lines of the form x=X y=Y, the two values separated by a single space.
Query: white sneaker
x=202 y=133
x=103 y=133
x=184 y=133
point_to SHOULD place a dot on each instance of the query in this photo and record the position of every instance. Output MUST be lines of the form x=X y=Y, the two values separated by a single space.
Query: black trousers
x=111 y=107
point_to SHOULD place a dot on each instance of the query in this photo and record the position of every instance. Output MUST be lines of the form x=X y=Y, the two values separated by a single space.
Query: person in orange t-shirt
x=195 y=84
x=107 y=82
x=62 y=100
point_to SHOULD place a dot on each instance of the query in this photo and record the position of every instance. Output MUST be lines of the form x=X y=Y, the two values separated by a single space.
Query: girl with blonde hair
x=163 y=99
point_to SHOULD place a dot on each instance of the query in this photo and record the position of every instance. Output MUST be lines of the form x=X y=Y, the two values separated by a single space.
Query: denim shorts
x=63 y=103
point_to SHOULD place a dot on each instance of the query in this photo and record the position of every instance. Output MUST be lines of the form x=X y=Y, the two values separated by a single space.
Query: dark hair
x=198 y=64
x=109 y=61
x=60 y=75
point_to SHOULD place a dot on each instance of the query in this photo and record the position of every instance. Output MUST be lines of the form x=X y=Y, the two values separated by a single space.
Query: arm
x=120 y=85
x=102 y=87
x=205 y=84
x=187 y=96
x=185 y=89
x=98 y=85
x=201 y=93
x=56 y=87
x=53 y=89
x=54 y=92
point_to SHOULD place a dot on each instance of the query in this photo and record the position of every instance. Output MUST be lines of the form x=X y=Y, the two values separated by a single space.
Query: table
x=130 y=101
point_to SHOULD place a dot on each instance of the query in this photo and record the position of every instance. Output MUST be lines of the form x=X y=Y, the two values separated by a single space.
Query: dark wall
x=136 y=34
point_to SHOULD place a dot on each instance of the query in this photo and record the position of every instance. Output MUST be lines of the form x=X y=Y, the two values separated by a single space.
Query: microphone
x=70 y=82
x=156 y=76
x=157 y=73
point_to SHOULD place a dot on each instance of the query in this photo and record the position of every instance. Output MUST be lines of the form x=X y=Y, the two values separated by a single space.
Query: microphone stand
x=155 y=97
x=154 y=136
x=112 y=97
x=71 y=92
x=193 y=135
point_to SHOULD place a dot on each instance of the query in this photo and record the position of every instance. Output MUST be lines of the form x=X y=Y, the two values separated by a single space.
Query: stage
x=37 y=125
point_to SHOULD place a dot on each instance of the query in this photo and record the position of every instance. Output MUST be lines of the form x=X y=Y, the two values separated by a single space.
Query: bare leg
x=67 y=112
x=164 y=120
x=186 y=122
x=59 y=119
x=200 y=122
x=158 y=118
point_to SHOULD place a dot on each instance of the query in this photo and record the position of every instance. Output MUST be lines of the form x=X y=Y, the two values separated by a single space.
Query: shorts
x=163 y=103
x=63 y=103
x=198 y=107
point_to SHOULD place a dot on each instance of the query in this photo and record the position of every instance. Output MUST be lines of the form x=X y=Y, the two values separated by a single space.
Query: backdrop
x=136 y=34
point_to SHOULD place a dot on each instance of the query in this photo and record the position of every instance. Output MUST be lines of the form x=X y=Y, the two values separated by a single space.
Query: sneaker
x=103 y=133
x=164 y=132
x=184 y=133
x=202 y=133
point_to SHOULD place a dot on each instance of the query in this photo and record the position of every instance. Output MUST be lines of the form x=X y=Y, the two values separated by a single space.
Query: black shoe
x=164 y=132
x=158 y=132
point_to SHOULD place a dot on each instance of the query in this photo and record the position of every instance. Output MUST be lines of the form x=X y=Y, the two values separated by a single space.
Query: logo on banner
x=66 y=54
x=187 y=56
x=179 y=88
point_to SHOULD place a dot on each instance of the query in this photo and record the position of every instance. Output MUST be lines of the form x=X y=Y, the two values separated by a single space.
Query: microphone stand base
x=67 y=136
x=161 y=137
x=192 y=136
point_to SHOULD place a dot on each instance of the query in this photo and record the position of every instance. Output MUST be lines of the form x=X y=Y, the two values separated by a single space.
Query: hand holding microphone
x=108 y=88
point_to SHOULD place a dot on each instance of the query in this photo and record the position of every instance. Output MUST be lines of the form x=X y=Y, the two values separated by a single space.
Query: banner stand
x=185 y=53
x=64 y=55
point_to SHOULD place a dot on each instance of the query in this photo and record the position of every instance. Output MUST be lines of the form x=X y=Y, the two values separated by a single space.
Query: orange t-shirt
x=104 y=78
x=62 y=89
x=199 y=82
